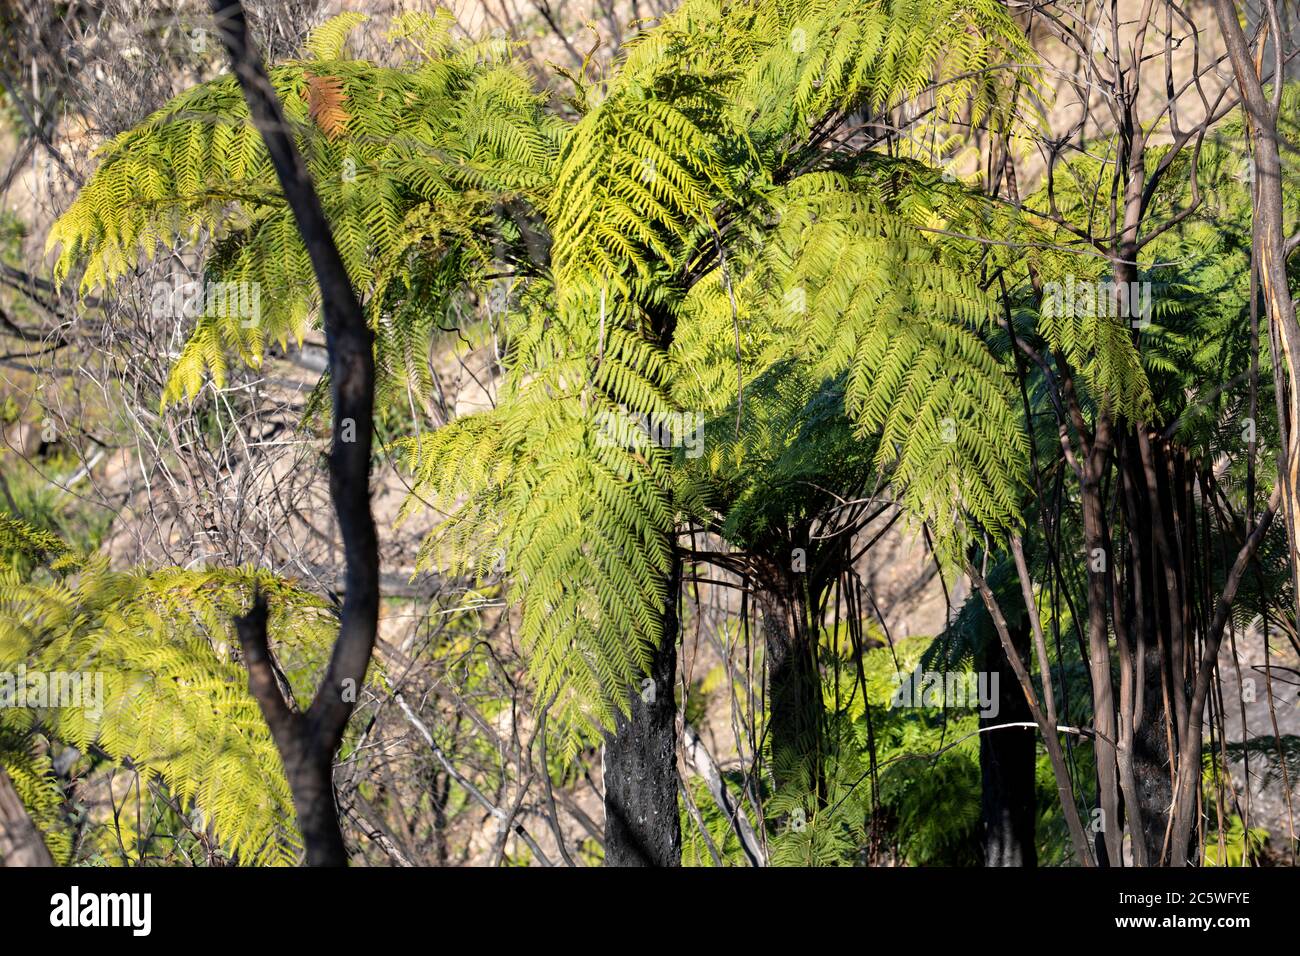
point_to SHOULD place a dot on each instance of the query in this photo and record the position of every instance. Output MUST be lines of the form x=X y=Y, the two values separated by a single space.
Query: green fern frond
x=327 y=40
x=161 y=690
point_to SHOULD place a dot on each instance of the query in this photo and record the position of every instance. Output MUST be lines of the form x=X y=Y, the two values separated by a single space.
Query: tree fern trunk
x=1152 y=758
x=1008 y=805
x=642 y=823
x=1157 y=575
x=793 y=679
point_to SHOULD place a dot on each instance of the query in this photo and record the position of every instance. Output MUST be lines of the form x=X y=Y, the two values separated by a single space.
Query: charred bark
x=307 y=740
x=1008 y=803
x=794 y=690
x=642 y=822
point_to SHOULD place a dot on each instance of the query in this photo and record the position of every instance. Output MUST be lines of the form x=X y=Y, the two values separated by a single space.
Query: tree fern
x=845 y=282
x=411 y=163
x=175 y=703
x=713 y=141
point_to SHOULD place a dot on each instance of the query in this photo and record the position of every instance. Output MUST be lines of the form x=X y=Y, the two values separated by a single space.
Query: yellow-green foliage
x=1198 y=273
x=21 y=544
x=848 y=282
x=575 y=518
x=32 y=774
x=175 y=702
x=411 y=164
x=710 y=135
x=1101 y=347
x=1235 y=845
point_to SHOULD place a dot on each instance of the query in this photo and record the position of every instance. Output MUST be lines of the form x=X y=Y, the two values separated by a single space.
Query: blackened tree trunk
x=1152 y=758
x=793 y=677
x=307 y=740
x=642 y=822
x=1156 y=572
x=1008 y=806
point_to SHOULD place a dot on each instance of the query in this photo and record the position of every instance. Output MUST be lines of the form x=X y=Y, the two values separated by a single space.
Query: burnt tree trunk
x=1157 y=574
x=307 y=740
x=1008 y=804
x=793 y=678
x=1152 y=760
x=642 y=823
